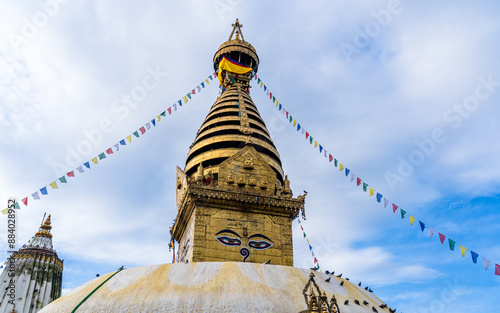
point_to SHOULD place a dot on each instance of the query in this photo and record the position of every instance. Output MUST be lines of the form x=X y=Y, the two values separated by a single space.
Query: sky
x=403 y=93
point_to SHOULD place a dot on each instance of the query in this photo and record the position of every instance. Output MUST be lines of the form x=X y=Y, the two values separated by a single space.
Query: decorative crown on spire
x=45 y=229
x=238 y=31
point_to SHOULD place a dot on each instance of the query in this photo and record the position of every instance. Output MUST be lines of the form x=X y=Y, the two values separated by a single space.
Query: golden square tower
x=232 y=199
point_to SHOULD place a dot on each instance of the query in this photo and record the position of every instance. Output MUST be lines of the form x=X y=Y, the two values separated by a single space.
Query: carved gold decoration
x=319 y=303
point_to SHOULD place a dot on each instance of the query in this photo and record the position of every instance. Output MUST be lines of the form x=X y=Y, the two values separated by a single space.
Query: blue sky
x=403 y=93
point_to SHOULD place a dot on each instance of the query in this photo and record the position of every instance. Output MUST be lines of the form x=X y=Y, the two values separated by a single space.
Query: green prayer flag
x=304 y=235
x=258 y=80
x=136 y=133
x=63 y=180
x=164 y=113
x=452 y=244
x=102 y=156
x=310 y=139
x=335 y=162
x=189 y=95
x=290 y=118
x=403 y=212
x=365 y=186
x=274 y=99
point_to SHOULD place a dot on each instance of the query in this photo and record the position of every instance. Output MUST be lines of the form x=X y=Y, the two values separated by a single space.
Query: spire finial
x=45 y=229
x=238 y=31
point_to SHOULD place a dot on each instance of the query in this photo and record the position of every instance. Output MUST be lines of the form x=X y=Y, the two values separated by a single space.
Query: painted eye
x=261 y=245
x=228 y=241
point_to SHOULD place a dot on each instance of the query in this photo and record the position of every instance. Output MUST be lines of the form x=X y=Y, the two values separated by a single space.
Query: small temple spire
x=236 y=27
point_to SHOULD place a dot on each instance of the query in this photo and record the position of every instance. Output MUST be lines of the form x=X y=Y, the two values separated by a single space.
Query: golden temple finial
x=45 y=229
x=318 y=303
x=238 y=31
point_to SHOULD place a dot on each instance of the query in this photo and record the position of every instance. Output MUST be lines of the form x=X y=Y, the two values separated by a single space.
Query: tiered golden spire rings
x=45 y=229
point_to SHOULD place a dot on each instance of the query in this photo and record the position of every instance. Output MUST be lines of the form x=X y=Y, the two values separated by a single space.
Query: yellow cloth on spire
x=412 y=220
x=226 y=64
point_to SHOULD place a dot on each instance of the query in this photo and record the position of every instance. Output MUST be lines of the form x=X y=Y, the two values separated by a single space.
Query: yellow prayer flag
x=129 y=138
x=53 y=185
x=94 y=160
x=276 y=102
x=412 y=220
x=294 y=123
x=206 y=81
x=159 y=118
x=341 y=167
x=315 y=143
x=261 y=84
x=463 y=250
x=307 y=241
x=185 y=99
x=372 y=191
x=5 y=211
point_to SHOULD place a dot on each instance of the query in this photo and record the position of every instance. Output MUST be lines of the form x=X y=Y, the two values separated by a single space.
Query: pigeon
x=268 y=262
x=327 y=272
x=314 y=268
x=356 y=301
x=366 y=288
x=97 y=275
x=370 y=290
x=342 y=283
x=346 y=302
x=121 y=268
x=359 y=284
x=383 y=306
x=339 y=275
x=305 y=192
x=346 y=278
x=373 y=309
x=328 y=279
x=364 y=302
x=392 y=311
x=332 y=272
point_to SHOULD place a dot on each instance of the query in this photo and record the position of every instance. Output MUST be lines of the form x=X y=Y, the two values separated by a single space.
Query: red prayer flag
x=109 y=151
x=497 y=269
x=142 y=129
x=441 y=237
x=394 y=208
x=193 y=92
x=71 y=174
x=286 y=114
x=307 y=135
x=270 y=95
x=331 y=158
x=359 y=181
x=25 y=201
x=169 y=111
x=315 y=260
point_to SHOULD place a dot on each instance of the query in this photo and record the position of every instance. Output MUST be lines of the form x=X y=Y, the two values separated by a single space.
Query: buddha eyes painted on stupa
x=255 y=241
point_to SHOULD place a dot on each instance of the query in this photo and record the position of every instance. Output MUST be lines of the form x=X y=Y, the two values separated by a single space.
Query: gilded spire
x=45 y=229
x=236 y=27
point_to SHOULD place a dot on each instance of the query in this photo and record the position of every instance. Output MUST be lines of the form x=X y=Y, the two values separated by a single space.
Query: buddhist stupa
x=233 y=227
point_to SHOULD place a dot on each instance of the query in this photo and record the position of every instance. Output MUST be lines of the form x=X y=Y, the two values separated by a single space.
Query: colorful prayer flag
x=35 y=195
x=87 y=164
x=422 y=225
x=359 y=181
x=101 y=156
x=386 y=202
x=142 y=129
x=403 y=212
x=94 y=160
x=109 y=151
x=122 y=142
x=63 y=179
x=44 y=191
x=486 y=263
x=372 y=191
x=129 y=137
x=379 y=197
x=54 y=185
x=71 y=174
x=136 y=133
x=474 y=256
x=452 y=244
x=441 y=237
x=463 y=250
x=394 y=208
x=412 y=220
x=25 y=201
x=431 y=232
x=365 y=186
